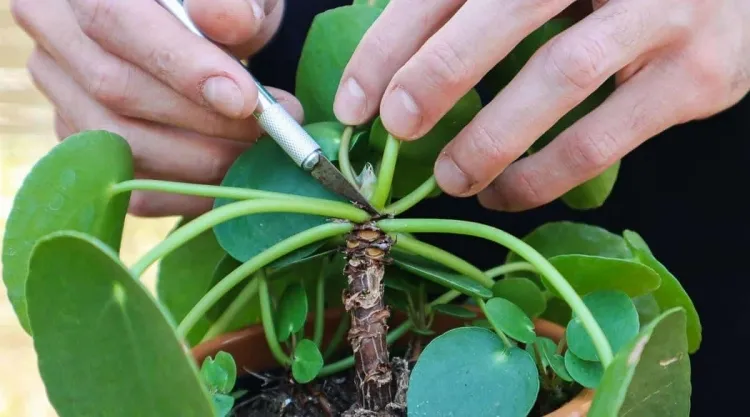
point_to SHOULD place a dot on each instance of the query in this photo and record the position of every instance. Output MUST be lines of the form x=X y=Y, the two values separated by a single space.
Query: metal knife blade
x=284 y=130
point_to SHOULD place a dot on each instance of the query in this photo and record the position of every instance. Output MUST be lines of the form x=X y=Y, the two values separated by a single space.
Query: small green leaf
x=455 y=311
x=468 y=371
x=439 y=274
x=552 y=359
x=292 y=311
x=651 y=377
x=615 y=314
x=587 y=274
x=223 y=404
x=671 y=293
x=106 y=329
x=558 y=311
x=523 y=293
x=265 y=166
x=647 y=308
x=510 y=319
x=426 y=149
x=586 y=373
x=220 y=373
x=185 y=275
x=330 y=44
x=67 y=189
x=307 y=361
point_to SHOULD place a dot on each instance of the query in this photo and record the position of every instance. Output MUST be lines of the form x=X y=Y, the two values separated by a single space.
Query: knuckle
x=95 y=16
x=107 y=84
x=589 y=151
x=216 y=162
x=141 y=205
x=482 y=141
x=577 y=63
x=528 y=187
x=444 y=67
x=163 y=62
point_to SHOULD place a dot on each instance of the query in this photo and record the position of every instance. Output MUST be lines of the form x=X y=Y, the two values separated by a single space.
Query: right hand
x=130 y=67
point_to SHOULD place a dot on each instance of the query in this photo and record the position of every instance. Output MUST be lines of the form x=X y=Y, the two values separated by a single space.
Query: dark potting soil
x=275 y=394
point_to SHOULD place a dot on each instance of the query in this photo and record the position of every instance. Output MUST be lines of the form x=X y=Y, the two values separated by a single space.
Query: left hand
x=673 y=61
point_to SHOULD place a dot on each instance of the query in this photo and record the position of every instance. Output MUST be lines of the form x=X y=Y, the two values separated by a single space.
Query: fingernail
x=400 y=113
x=350 y=103
x=224 y=96
x=258 y=11
x=450 y=177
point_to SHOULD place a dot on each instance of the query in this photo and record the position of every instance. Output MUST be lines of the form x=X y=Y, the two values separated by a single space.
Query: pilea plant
x=277 y=247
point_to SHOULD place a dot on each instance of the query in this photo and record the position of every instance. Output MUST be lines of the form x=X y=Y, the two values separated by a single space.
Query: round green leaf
x=185 y=275
x=651 y=377
x=265 y=166
x=330 y=43
x=523 y=293
x=306 y=362
x=468 y=371
x=67 y=189
x=588 y=273
x=220 y=373
x=510 y=319
x=617 y=317
x=455 y=311
x=106 y=329
x=223 y=404
x=439 y=274
x=427 y=148
x=586 y=373
x=671 y=293
x=292 y=311
x=552 y=359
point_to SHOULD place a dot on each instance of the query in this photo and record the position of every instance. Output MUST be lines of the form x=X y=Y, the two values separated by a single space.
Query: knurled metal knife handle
x=271 y=116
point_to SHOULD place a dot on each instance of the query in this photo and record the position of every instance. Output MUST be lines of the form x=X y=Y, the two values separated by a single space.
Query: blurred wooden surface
x=26 y=134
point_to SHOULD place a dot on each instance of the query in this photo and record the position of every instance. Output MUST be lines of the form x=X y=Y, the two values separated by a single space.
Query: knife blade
x=284 y=130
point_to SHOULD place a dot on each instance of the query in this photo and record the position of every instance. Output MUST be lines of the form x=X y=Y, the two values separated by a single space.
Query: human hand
x=673 y=61
x=130 y=67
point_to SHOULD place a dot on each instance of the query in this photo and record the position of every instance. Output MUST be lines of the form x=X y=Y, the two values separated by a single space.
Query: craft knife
x=285 y=131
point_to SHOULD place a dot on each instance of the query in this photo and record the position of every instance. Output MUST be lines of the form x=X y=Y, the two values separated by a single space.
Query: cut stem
x=413 y=198
x=344 y=163
x=235 y=308
x=268 y=325
x=385 y=173
x=257 y=262
x=244 y=208
x=543 y=266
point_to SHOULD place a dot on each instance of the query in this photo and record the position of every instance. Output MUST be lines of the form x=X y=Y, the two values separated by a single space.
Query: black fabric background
x=683 y=191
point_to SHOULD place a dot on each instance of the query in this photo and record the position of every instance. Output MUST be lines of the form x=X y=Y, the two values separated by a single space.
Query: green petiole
x=268 y=325
x=385 y=173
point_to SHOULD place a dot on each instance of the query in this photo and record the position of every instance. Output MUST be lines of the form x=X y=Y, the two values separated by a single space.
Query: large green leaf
x=440 y=274
x=468 y=371
x=427 y=148
x=330 y=44
x=671 y=293
x=185 y=276
x=651 y=377
x=265 y=166
x=594 y=273
x=593 y=193
x=616 y=315
x=68 y=189
x=104 y=346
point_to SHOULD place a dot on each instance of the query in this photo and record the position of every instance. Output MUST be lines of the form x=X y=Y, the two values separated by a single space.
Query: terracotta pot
x=250 y=350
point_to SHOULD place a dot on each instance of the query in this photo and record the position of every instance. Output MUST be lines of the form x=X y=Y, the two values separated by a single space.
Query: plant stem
x=243 y=208
x=320 y=295
x=385 y=173
x=202 y=190
x=344 y=163
x=508 y=268
x=255 y=263
x=247 y=294
x=268 y=325
x=348 y=362
x=441 y=256
x=413 y=198
x=543 y=266
x=338 y=336
x=499 y=332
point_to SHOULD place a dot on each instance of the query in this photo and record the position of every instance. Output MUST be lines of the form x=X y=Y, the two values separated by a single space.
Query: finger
x=243 y=26
x=395 y=36
x=557 y=78
x=145 y=34
x=62 y=128
x=157 y=149
x=630 y=116
x=120 y=86
x=455 y=59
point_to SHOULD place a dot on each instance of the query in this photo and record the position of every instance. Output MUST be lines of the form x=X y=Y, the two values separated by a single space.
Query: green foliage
x=97 y=329
x=455 y=311
x=67 y=189
x=550 y=358
x=588 y=273
x=510 y=319
x=292 y=311
x=523 y=293
x=440 y=275
x=586 y=373
x=219 y=376
x=468 y=371
x=307 y=361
